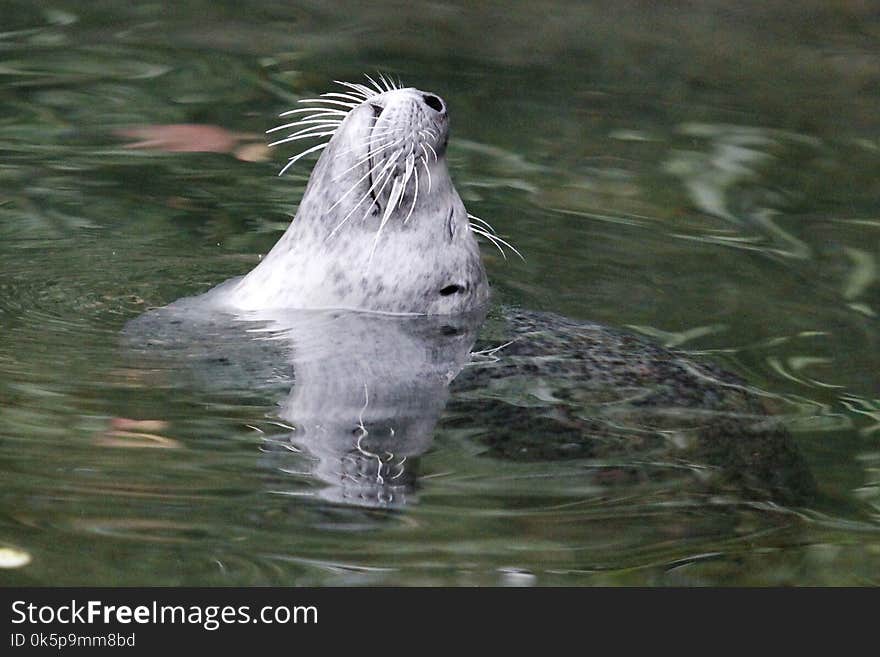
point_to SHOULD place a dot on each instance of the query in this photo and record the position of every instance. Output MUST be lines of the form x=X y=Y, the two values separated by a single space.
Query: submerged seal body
x=380 y=226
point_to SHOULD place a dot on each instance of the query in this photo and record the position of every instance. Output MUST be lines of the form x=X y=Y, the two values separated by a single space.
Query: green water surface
x=706 y=173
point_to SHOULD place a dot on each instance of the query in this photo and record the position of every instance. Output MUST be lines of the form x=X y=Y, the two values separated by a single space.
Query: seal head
x=381 y=226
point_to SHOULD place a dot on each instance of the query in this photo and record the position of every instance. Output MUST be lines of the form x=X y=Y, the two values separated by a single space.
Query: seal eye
x=450 y=289
x=433 y=102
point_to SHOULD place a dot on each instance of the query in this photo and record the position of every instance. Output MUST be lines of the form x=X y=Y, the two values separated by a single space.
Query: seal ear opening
x=450 y=289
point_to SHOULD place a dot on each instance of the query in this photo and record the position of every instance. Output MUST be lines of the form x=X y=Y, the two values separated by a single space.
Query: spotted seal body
x=380 y=226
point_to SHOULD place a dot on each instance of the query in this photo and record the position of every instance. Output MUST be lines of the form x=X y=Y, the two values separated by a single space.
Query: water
x=706 y=176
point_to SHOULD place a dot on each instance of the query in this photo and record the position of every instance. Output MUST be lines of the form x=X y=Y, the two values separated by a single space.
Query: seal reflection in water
x=373 y=298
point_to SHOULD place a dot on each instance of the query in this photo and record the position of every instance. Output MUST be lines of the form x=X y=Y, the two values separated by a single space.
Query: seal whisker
x=299 y=136
x=358 y=88
x=372 y=152
x=415 y=193
x=375 y=84
x=309 y=121
x=433 y=151
x=394 y=198
x=354 y=187
x=385 y=170
x=388 y=85
x=497 y=241
x=427 y=170
x=369 y=156
x=315 y=125
x=408 y=172
x=386 y=174
x=344 y=96
x=383 y=133
x=482 y=221
x=328 y=110
x=489 y=237
x=329 y=101
x=301 y=155
x=320 y=113
x=359 y=146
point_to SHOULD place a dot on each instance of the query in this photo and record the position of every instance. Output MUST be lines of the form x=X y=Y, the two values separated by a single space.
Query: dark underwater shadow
x=362 y=395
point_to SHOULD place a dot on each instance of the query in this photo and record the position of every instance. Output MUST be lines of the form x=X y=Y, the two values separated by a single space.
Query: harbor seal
x=382 y=229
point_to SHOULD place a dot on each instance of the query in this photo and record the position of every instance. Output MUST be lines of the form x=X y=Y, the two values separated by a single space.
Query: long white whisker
x=407 y=174
x=298 y=137
x=354 y=186
x=488 y=236
x=386 y=171
x=349 y=97
x=497 y=241
x=371 y=154
x=393 y=199
x=312 y=122
x=358 y=204
x=375 y=84
x=365 y=91
x=387 y=175
x=369 y=145
x=329 y=102
x=510 y=246
x=378 y=148
x=387 y=81
x=315 y=128
x=415 y=193
x=327 y=110
x=433 y=151
x=427 y=170
x=309 y=120
x=482 y=221
x=301 y=155
x=305 y=121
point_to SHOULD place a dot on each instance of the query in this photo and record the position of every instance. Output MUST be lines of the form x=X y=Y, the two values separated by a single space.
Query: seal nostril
x=377 y=110
x=433 y=102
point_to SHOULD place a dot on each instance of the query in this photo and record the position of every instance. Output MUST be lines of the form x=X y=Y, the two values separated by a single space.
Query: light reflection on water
x=720 y=204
